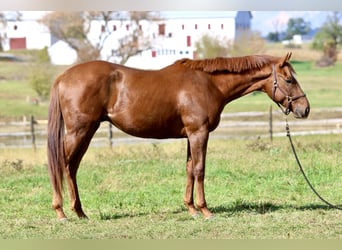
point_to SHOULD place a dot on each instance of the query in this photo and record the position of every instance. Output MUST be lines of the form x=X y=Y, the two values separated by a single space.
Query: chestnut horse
x=182 y=100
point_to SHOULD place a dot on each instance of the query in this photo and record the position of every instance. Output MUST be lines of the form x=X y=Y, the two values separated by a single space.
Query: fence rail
x=33 y=133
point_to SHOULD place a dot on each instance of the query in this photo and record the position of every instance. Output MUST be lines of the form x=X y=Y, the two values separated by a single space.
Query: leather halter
x=290 y=99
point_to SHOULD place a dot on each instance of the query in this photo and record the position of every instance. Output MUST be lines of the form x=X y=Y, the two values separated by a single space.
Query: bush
x=40 y=76
x=40 y=79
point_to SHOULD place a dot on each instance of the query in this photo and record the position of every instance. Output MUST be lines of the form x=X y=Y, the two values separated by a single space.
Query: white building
x=25 y=34
x=176 y=35
x=172 y=38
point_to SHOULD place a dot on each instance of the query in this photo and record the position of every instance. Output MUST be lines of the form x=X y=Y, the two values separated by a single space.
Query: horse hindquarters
x=65 y=151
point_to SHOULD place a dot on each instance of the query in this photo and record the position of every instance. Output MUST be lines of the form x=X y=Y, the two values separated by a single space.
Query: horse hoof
x=63 y=220
x=195 y=215
x=210 y=217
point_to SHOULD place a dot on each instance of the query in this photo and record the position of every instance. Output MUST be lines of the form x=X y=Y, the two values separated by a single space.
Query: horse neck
x=235 y=85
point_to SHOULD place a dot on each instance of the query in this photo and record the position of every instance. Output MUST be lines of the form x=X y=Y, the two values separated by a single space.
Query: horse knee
x=198 y=172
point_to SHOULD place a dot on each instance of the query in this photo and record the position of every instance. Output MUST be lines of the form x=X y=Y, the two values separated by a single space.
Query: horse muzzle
x=301 y=112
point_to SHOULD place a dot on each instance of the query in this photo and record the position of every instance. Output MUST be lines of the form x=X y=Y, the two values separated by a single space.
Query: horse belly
x=147 y=126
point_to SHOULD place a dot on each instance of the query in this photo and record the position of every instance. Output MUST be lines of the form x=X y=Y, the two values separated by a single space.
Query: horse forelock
x=230 y=64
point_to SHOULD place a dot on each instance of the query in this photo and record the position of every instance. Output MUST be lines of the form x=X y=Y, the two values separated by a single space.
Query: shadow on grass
x=111 y=216
x=264 y=207
x=234 y=208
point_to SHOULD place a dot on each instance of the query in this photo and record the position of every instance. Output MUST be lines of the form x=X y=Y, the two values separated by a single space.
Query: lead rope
x=302 y=171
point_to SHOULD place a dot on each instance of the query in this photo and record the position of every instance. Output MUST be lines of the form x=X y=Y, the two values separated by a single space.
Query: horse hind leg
x=57 y=204
x=76 y=144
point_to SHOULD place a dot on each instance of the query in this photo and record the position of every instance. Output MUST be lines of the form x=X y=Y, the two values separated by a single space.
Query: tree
x=273 y=36
x=328 y=39
x=210 y=47
x=41 y=74
x=246 y=44
x=73 y=28
x=135 y=39
x=297 y=26
x=3 y=22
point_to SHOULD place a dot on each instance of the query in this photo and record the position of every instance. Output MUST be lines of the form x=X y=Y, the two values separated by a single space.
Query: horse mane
x=230 y=64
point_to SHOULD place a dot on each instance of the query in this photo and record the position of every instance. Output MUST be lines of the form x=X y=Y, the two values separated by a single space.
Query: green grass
x=136 y=192
x=16 y=94
x=16 y=101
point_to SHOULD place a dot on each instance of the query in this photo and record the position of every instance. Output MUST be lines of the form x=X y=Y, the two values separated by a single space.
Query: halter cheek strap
x=290 y=99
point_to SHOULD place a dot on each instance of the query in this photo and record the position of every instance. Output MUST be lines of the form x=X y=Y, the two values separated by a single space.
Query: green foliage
x=209 y=47
x=297 y=26
x=331 y=31
x=40 y=79
x=273 y=36
x=43 y=56
x=246 y=44
x=40 y=76
x=328 y=39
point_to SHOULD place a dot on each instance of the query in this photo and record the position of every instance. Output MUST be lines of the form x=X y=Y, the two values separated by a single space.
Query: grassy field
x=136 y=192
x=16 y=95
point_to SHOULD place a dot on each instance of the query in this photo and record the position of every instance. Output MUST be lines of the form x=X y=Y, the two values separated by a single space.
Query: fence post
x=271 y=123
x=33 y=136
x=110 y=135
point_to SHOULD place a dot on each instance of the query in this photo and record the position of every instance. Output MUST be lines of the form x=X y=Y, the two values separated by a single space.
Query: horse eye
x=289 y=80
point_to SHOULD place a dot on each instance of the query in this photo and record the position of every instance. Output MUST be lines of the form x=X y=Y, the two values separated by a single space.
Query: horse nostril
x=307 y=111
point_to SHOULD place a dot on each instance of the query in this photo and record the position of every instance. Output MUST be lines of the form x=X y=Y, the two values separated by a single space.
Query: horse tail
x=55 y=141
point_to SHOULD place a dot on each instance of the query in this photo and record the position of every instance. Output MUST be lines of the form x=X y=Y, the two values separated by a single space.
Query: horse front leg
x=189 y=187
x=198 y=148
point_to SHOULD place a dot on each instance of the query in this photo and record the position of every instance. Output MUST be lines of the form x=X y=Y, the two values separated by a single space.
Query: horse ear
x=286 y=59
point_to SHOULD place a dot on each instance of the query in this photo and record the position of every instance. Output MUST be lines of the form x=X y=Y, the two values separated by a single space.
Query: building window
x=161 y=29
x=188 y=41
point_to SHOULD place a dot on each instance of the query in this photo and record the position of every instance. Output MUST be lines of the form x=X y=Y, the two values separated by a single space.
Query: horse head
x=286 y=91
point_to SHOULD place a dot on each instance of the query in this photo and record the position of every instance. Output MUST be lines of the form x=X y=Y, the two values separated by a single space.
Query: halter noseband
x=290 y=99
